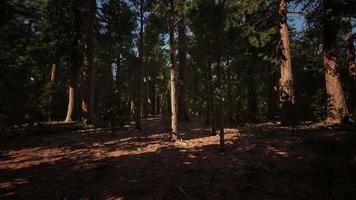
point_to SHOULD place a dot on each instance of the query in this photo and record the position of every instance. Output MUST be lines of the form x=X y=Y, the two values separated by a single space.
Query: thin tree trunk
x=352 y=69
x=51 y=97
x=220 y=103
x=211 y=101
x=88 y=97
x=138 y=82
x=286 y=80
x=173 y=74
x=182 y=55
x=336 y=104
x=118 y=82
x=272 y=99
x=72 y=109
x=145 y=104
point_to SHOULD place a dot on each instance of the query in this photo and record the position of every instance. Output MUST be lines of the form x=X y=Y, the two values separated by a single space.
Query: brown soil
x=259 y=162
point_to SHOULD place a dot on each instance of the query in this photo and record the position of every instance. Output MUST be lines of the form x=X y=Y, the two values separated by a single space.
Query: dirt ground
x=260 y=162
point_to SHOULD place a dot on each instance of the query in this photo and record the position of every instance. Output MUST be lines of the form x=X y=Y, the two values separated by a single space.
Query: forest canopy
x=108 y=62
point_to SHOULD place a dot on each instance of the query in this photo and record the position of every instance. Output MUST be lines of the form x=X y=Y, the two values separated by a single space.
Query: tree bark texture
x=73 y=97
x=138 y=81
x=182 y=56
x=286 y=91
x=88 y=86
x=352 y=69
x=336 y=103
x=173 y=73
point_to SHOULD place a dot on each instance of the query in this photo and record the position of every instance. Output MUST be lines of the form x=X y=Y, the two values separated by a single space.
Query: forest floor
x=262 y=161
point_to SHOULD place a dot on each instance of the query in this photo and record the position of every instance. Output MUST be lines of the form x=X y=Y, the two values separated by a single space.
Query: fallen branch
x=184 y=193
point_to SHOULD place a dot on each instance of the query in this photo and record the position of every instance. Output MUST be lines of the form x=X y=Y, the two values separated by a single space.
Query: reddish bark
x=287 y=99
x=336 y=104
x=88 y=87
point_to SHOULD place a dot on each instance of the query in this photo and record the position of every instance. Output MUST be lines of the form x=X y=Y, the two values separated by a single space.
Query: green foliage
x=231 y=46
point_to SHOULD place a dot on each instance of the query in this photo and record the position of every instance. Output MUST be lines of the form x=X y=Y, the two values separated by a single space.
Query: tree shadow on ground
x=255 y=165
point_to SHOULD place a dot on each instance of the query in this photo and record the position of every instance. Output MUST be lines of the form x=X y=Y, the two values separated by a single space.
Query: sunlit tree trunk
x=73 y=97
x=182 y=55
x=286 y=90
x=173 y=73
x=88 y=87
x=336 y=104
x=352 y=68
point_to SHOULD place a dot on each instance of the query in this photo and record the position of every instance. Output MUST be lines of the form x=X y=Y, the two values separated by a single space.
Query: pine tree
x=173 y=73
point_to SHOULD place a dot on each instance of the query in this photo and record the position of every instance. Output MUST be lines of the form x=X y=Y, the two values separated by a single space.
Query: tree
x=88 y=96
x=138 y=77
x=286 y=79
x=73 y=97
x=182 y=59
x=352 y=68
x=173 y=73
x=336 y=103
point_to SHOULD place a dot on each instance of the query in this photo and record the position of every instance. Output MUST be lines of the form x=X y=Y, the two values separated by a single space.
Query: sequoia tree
x=336 y=103
x=286 y=80
x=352 y=68
x=88 y=88
x=73 y=98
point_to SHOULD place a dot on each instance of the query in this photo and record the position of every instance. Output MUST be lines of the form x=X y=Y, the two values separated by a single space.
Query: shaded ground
x=260 y=162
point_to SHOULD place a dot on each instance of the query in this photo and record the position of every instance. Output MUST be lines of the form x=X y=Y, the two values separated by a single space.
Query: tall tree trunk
x=73 y=97
x=173 y=74
x=352 y=69
x=211 y=102
x=220 y=104
x=88 y=90
x=336 y=104
x=182 y=55
x=286 y=80
x=138 y=81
